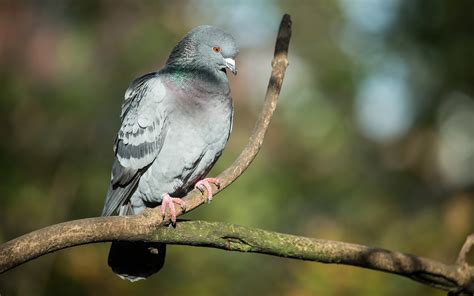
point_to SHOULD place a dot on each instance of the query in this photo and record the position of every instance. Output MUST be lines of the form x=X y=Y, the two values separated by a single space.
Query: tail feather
x=117 y=196
x=136 y=260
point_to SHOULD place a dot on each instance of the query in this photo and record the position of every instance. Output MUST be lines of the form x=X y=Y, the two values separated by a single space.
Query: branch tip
x=466 y=248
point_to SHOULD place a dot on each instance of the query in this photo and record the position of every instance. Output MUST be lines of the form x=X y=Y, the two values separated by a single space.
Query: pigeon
x=174 y=125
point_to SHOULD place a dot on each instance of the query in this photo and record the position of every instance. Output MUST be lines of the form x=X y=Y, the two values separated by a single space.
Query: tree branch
x=457 y=278
x=454 y=278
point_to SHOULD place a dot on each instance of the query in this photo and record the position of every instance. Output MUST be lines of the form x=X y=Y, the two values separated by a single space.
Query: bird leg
x=168 y=202
x=206 y=184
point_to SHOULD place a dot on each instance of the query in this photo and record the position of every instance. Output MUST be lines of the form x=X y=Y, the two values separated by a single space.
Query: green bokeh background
x=338 y=162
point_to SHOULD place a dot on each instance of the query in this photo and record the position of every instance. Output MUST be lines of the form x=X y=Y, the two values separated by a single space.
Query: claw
x=205 y=184
x=168 y=202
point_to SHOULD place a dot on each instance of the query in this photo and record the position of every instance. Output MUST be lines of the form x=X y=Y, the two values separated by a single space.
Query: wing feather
x=139 y=139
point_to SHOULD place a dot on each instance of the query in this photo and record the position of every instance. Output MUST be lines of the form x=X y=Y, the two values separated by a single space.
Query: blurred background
x=372 y=142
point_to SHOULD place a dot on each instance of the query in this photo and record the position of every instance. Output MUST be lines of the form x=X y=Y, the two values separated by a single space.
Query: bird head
x=206 y=48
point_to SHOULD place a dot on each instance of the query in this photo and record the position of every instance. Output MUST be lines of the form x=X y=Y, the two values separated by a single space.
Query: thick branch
x=84 y=231
x=454 y=278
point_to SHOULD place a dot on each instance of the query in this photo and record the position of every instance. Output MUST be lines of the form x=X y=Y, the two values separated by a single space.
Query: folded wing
x=139 y=139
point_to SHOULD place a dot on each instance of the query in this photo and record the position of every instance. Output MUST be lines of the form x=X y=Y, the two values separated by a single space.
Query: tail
x=132 y=261
x=135 y=261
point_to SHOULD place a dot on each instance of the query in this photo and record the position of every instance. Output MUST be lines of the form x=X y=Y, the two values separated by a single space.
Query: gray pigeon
x=175 y=124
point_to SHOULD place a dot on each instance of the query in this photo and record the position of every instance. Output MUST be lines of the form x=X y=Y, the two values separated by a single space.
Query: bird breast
x=196 y=135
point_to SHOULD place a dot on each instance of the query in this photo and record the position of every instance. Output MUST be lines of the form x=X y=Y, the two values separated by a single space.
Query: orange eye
x=216 y=49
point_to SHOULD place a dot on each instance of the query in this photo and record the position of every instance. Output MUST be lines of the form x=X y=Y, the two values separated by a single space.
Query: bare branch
x=243 y=239
x=466 y=248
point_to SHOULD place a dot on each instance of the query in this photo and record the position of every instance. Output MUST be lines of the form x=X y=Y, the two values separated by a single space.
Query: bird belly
x=185 y=158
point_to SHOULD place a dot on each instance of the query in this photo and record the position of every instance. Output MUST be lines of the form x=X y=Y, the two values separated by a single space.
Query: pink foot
x=206 y=184
x=168 y=202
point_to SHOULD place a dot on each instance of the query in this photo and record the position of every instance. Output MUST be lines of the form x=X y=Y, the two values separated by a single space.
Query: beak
x=230 y=63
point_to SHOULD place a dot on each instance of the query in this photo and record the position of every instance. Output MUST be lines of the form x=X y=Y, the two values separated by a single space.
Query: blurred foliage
x=64 y=66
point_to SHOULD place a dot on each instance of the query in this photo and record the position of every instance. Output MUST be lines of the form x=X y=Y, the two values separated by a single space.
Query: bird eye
x=216 y=49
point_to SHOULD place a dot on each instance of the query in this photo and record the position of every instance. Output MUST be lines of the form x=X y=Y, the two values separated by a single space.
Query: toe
x=179 y=202
x=164 y=203
x=173 y=214
x=168 y=202
x=199 y=186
